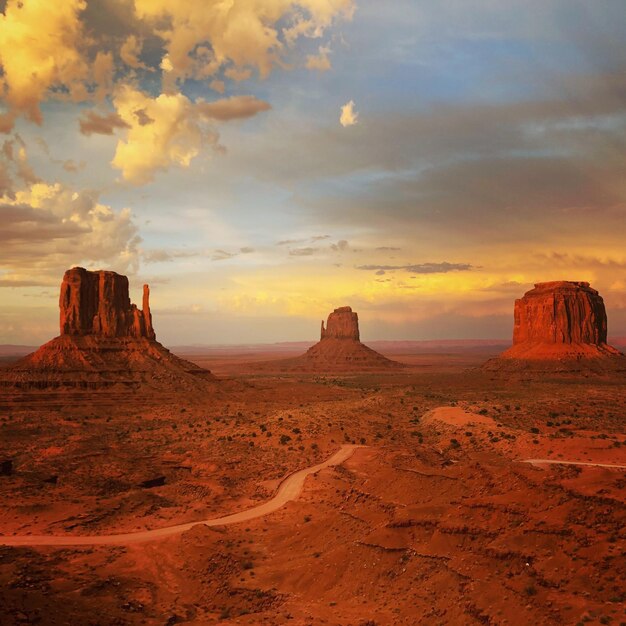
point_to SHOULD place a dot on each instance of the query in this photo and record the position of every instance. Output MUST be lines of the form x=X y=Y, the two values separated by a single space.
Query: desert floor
x=435 y=517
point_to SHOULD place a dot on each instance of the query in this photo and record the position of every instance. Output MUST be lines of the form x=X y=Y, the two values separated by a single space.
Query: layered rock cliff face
x=342 y=323
x=97 y=303
x=105 y=341
x=563 y=323
x=560 y=313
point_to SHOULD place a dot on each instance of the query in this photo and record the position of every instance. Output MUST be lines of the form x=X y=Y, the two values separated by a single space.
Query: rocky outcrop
x=105 y=341
x=342 y=323
x=561 y=323
x=97 y=303
x=562 y=313
x=338 y=350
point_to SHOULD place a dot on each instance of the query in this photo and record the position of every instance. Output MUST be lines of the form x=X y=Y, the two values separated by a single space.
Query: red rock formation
x=560 y=313
x=105 y=340
x=147 y=315
x=562 y=321
x=339 y=348
x=342 y=323
x=97 y=303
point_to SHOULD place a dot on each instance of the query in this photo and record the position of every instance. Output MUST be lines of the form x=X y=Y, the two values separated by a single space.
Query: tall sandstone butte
x=97 y=303
x=340 y=349
x=104 y=340
x=560 y=321
x=342 y=323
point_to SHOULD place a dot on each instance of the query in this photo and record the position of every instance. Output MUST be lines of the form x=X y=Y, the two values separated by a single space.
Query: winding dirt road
x=555 y=462
x=289 y=489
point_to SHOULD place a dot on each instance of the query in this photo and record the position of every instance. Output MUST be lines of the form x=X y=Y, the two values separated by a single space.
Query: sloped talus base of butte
x=93 y=362
x=339 y=355
x=559 y=358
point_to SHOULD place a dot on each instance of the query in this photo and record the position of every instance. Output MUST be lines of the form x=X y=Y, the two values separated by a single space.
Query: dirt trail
x=289 y=489
x=556 y=462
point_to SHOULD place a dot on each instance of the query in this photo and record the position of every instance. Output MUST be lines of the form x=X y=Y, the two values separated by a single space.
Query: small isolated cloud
x=156 y=256
x=222 y=255
x=348 y=117
x=233 y=108
x=340 y=246
x=420 y=268
x=303 y=251
x=71 y=166
x=313 y=239
x=94 y=124
x=160 y=255
x=388 y=249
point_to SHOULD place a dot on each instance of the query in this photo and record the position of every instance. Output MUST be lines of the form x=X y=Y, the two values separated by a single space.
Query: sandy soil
x=434 y=521
x=289 y=489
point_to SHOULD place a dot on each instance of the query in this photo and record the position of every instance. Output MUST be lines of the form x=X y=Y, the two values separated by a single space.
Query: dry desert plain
x=435 y=518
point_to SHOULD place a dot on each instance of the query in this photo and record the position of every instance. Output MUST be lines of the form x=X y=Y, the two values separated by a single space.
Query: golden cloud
x=82 y=52
x=130 y=51
x=233 y=108
x=40 y=44
x=348 y=116
x=170 y=129
x=241 y=33
x=93 y=123
x=48 y=227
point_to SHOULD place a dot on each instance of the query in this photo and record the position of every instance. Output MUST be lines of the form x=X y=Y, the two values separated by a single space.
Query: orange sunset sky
x=261 y=162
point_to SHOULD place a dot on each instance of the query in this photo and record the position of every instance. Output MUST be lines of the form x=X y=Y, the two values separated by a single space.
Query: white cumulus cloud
x=349 y=116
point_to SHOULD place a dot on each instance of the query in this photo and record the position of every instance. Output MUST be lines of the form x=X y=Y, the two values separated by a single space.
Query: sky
x=262 y=162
